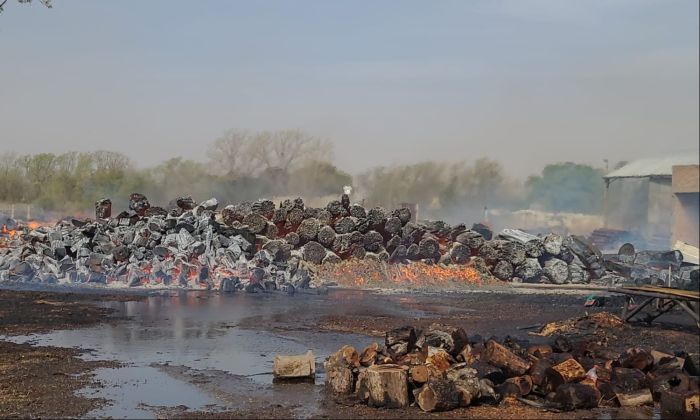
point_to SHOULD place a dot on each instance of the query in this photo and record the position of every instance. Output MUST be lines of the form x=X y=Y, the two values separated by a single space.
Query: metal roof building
x=640 y=198
x=652 y=167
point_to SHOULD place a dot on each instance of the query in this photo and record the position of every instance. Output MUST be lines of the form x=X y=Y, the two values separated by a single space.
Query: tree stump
x=384 y=386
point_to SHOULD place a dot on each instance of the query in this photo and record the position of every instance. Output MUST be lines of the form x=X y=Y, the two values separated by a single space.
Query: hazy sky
x=526 y=82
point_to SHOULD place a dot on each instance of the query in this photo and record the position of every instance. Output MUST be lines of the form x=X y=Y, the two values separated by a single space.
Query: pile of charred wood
x=261 y=245
x=441 y=369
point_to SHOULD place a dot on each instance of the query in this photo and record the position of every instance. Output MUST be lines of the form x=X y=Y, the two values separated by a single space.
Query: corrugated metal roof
x=653 y=167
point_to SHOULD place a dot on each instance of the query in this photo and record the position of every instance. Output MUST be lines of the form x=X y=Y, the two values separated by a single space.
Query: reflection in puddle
x=195 y=330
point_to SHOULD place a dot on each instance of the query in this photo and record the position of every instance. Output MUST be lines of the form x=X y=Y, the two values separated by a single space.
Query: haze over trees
x=244 y=166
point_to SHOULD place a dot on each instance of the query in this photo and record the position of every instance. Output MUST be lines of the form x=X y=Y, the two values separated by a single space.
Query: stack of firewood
x=441 y=369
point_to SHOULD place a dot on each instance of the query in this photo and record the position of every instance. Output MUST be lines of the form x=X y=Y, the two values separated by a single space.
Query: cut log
x=673 y=382
x=575 y=396
x=666 y=361
x=538 y=371
x=419 y=374
x=634 y=398
x=438 y=395
x=565 y=372
x=386 y=386
x=466 y=381
x=438 y=360
x=637 y=358
x=339 y=366
x=692 y=364
x=524 y=384
x=503 y=270
x=486 y=371
x=369 y=355
x=295 y=367
x=684 y=405
x=629 y=379
x=539 y=351
x=503 y=358
x=561 y=344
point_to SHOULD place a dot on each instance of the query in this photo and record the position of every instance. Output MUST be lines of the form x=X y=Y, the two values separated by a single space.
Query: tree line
x=244 y=166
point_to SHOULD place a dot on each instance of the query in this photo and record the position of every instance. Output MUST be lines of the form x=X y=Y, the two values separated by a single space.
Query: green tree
x=567 y=187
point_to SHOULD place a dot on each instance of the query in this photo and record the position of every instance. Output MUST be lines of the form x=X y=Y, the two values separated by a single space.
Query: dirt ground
x=41 y=381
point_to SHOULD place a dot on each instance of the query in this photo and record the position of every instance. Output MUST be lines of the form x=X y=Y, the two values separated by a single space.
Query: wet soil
x=205 y=344
x=42 y=381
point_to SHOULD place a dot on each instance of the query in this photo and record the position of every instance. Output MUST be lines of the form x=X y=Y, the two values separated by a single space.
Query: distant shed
x=640 y=198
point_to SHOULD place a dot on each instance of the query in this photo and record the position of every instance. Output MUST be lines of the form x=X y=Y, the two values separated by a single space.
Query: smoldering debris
x=260 y=246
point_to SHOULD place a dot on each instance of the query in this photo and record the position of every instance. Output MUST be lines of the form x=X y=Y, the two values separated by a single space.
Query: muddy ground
x=41 y=381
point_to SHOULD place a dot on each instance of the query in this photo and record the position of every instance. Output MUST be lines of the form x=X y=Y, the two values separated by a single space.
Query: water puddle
x=197 y=332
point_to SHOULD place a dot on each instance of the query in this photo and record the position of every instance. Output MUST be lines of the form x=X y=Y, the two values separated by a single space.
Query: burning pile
x=441 y=369
x=261 y=245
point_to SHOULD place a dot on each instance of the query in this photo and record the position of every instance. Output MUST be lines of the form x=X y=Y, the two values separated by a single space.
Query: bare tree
x=239 y=153
x=228 y=153
x=46 y=3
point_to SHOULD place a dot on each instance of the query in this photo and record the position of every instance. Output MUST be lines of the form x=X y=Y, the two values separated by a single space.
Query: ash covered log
x=384 y=386
x=292 y=238
x=256 y=223
x=263 y=207
x=399 y=254
x=429 y=247
x=372 y=241
x=103 y=208
x=345 y=224
x=307 y=230
x=331 y=258
x=326 y=236
x=471 y=239
x=460 y=253
x=452 y=339
x=393 y=226
x=336 y=209
x=279 y=216
x=357 y=211
x=513 y=252
x=314 y=252
x=438 y=395
x=403 y=214
x=139 y=203
x=294 y=217
x=685 y=405
x=324 y=217
x=529 y=271
x=553 y=243
x=503 y=270
x=483 y=230
x=400 y=341
x=377 y=218
x=556 y=270
x=534 y=248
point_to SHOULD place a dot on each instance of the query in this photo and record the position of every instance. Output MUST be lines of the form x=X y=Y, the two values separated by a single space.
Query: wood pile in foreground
x=441 y=369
